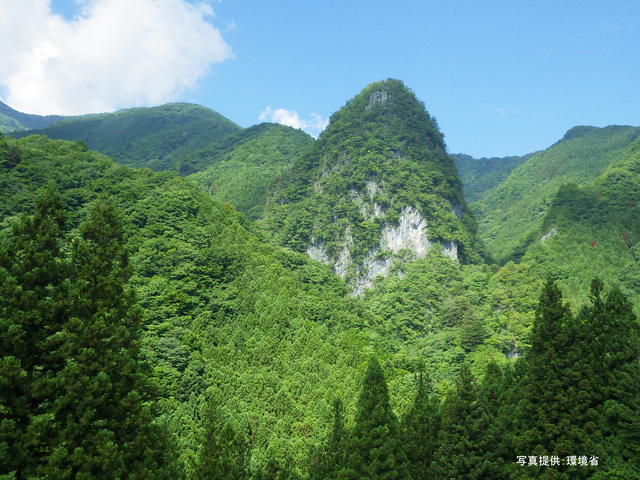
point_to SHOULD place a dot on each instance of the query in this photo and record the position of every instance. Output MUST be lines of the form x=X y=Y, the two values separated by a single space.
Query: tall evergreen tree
x=274 y=468
x=611 y=347
x=224 y=452
x=329 y=458
x=104 y=425
x=375 y=447
x=420 y=428
x=495 y=401
x=33 y=309
x=556 y=415
x=74 y=399
x=467 y=438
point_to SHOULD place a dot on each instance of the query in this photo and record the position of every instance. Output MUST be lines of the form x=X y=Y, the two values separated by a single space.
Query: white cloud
x=291 y=118
x=116 y=53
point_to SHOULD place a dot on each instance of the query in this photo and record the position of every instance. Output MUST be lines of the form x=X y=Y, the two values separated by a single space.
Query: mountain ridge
x=144 y=136
x=369 y=188
x=12 y=120
x=510 y=213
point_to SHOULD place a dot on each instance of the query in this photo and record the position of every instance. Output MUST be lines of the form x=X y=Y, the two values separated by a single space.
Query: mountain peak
x=375 y=190
x=390 y=104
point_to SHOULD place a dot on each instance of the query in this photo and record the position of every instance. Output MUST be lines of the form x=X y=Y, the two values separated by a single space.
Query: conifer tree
x=224 y=452
x=375 y=447
x=610 y=349
x=555 y=415
x=421 y=426
x=467 y=437
x=33 y=292
x=276 y=469
x=73 y=393
x=329 y=458
x=495 y=401
x=103 y=422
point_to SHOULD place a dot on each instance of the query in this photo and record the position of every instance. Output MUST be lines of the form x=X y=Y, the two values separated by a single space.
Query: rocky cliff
x=376 y=190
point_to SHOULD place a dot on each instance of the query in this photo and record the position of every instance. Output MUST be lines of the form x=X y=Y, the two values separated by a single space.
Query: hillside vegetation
x=13 y=121
x=241 y=168
x=381 y=161
x=144 y=137
x=513 y=211
x=595 y=230
x=481 y=175
x=152 y=330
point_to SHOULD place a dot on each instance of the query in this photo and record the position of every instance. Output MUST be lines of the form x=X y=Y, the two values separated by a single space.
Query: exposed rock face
x=551 y=233
x=377 y=97
x=316 y=252
x=410 y=235
x=369 y=210
x=382 y=189
x=457 y=210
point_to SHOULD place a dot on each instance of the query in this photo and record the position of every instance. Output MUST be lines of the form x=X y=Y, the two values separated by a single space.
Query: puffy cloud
x=291 y=118
x=115 y=53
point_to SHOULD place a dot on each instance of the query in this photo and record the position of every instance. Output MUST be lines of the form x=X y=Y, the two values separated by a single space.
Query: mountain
x=222 y=310
x=154 y=137
x=13 y=121
x=594 y=230
x=376 y=189
x=267 y=335
x=510 y=214
x=249 y=341
x=480 y=175
x=241 y=168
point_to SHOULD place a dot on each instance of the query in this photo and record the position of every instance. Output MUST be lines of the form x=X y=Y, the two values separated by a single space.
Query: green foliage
x=76 y=401
x=375 y=446
x=35 y=296
x=224 y=451
x=243 y=166
x=443 y=313
x=480 y=176
x=144 y=137
x=411 y=305
x=328 y=459
x=578 y=384
x=9 y=155
x=12 y=121
x=597 y=230
x=248 y=344
x=420 y=429
x=266 y=333
x=467 y=440
x=510 y=215
x=611 y=342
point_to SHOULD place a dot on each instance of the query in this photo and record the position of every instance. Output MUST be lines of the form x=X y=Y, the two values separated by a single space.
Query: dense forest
x=190 y=303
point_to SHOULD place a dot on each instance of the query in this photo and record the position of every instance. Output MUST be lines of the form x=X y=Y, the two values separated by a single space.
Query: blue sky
x=501 y=77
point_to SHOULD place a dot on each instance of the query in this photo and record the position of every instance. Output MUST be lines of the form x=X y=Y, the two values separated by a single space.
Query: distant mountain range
x=268 y=267
x=257 y=168
x=13 y=121
x=144 y=137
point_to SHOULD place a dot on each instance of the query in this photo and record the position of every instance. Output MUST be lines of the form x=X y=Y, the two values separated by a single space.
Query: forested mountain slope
x=509 y=216
x=144 y=137
x=376 y=187
x=12 y=121
x=594 y=230
x=481 y=175
x=241 y=168
x=266 y=334
x=264 y=366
